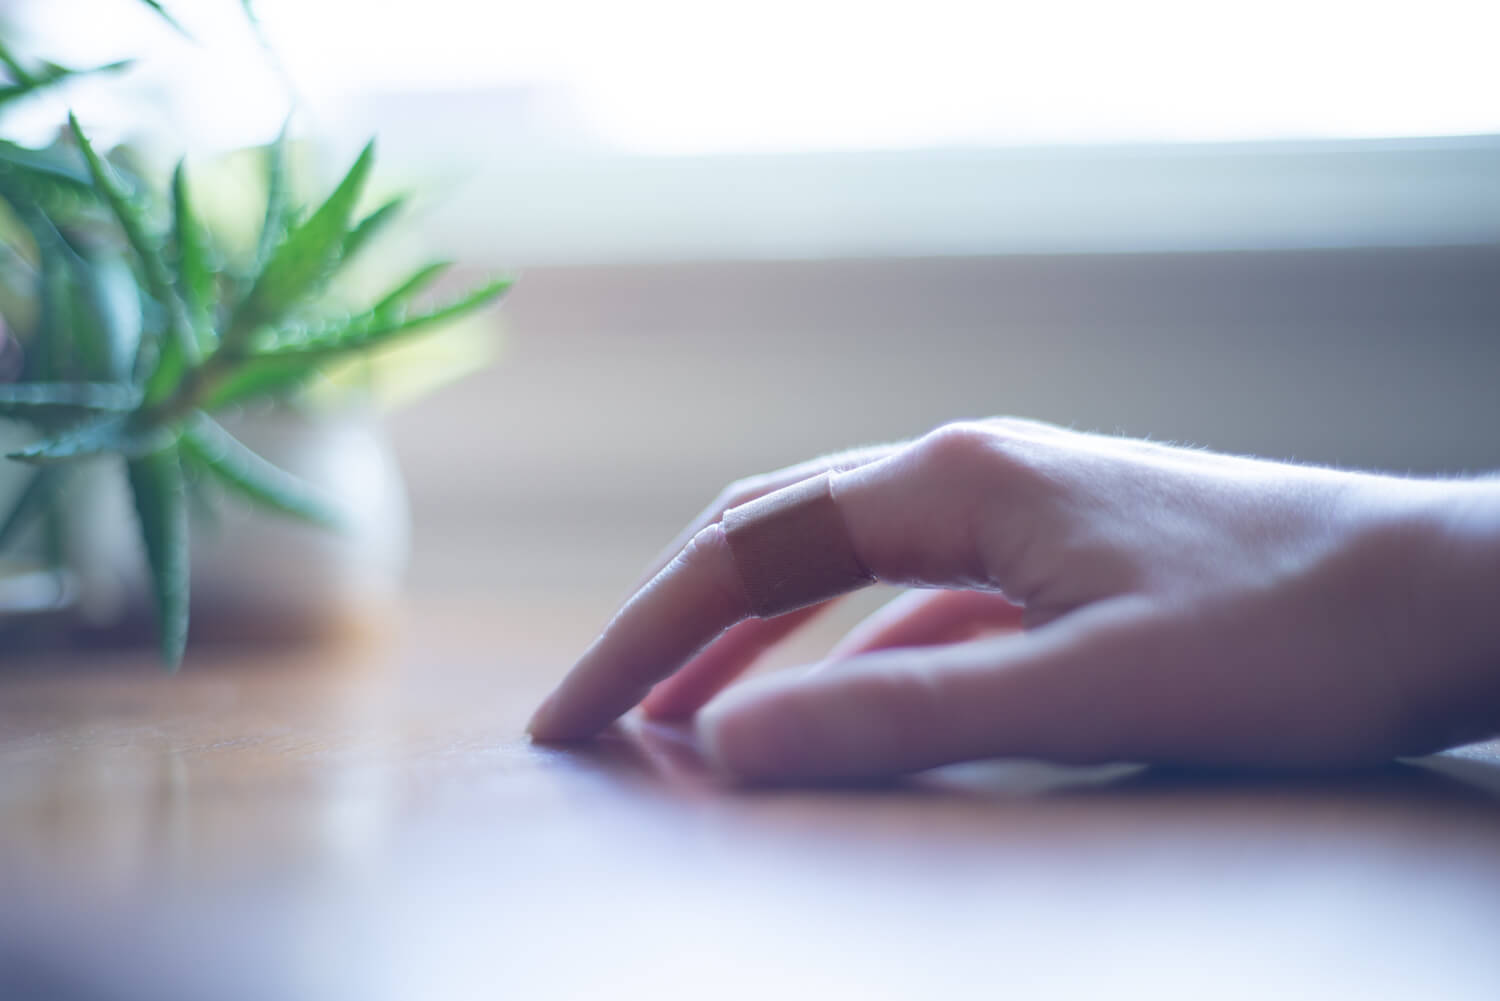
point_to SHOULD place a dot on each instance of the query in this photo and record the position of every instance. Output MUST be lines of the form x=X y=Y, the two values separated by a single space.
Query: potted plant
x=136 y=341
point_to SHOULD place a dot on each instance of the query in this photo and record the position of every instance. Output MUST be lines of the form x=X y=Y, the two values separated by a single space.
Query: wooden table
x=367 y=823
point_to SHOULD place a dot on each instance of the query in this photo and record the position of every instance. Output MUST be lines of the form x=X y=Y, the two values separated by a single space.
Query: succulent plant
x=143 y=331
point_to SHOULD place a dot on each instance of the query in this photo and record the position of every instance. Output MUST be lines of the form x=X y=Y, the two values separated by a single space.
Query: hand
x=1153 y=604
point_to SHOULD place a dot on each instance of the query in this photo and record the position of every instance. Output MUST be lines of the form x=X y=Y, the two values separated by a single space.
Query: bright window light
x=688 y=77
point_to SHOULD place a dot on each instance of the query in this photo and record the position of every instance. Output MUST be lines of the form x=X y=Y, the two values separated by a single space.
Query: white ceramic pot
x=257 y=574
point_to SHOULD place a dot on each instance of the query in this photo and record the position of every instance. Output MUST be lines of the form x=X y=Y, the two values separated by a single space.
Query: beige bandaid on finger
x=792 y=548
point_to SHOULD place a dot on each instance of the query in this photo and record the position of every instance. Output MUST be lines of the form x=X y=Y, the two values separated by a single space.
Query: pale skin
x=1080 y=598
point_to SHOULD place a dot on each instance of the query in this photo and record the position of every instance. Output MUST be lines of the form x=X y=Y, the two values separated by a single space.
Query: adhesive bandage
x=792 y=548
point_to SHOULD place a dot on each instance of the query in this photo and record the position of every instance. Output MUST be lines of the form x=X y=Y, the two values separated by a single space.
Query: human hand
x=1156 y=604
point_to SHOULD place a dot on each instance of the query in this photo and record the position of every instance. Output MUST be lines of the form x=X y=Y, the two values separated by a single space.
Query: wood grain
x=367 y=822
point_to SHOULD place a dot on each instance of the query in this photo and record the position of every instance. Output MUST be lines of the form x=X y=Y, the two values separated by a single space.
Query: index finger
x=783 y=552
x=694 y=598
x=690 y=596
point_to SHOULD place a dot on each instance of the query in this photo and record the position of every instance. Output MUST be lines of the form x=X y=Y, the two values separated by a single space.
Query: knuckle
x=707 y=554
x=957 y=446
x=1012 y=425
x=994 y=488
x=974 y=455
x=706 y=544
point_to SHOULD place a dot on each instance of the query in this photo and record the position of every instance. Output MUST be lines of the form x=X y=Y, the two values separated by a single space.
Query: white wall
x=626 y=396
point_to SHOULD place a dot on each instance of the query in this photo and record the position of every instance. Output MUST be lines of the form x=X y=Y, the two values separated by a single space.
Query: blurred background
x=746 y=234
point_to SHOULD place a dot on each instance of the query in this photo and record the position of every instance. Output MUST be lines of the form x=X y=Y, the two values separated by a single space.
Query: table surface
x=366 y=821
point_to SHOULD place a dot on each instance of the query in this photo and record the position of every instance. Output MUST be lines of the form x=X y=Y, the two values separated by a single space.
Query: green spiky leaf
x=180 y=350
x=46 y=183
x=52 y=400
x=245 y=473
x=261 y=378
x=370 y=226
x=297 y=356
x=18 y=72
x=398 y=298
x=28 y=82
x=114 y=434
x=128 y=213
x=156 y=485
x=303 y=261
x=110 y=328
x=49 y=352
x=273 y=228
x=195 y=276
x=19 y=159
x=91 y=311
x=372 y=330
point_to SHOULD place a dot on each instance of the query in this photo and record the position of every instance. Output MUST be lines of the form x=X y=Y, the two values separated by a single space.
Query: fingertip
x=729 y=745
x=757 y=733
x=663 y=706
x=546 y=726
x=693 y=600
x=536 y=726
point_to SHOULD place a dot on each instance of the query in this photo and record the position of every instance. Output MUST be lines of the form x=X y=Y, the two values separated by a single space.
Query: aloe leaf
x=180 y=349
x=48 y=351
x=113 y=322
x=370 y=226
x=28 y=83
x=305 y=259
x=252 y=477
x=74 y=336
x=16 y=159
x=167 y=370
x=128 y=213
x=48 y=182
x=156 y=484
x=29 y=400
x=255 y=378
x=397 y=298
x=195 y=277
x=16 y=91
x=29 y=503
x=297 y=358
x=110 y=434
x=91 y=310
x=18 y=72
x=50 y=193
x=371 y=330
x=277 y=197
